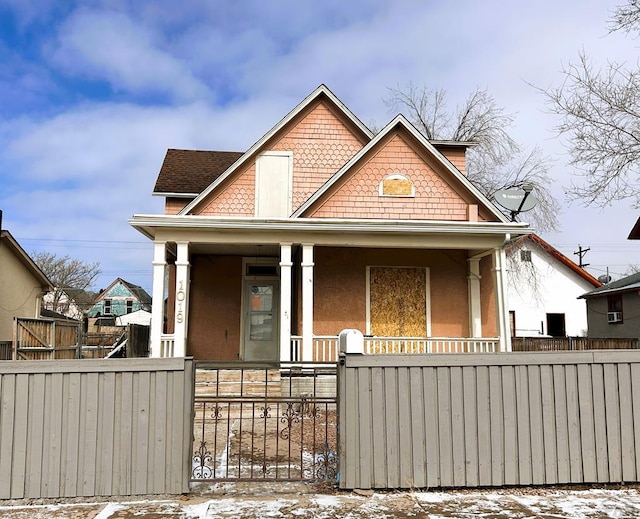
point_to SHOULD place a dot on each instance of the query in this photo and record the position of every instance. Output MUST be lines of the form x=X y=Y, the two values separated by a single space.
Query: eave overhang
x=325 y=231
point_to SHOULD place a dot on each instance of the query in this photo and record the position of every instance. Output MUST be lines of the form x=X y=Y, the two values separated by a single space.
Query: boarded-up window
x=396 y=185
x=398 y=301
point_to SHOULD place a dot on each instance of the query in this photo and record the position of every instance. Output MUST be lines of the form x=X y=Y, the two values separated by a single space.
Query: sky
x=93 y=92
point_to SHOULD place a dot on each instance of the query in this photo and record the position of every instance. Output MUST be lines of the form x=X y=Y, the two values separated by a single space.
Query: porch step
x=237 y=382
x=309 y=385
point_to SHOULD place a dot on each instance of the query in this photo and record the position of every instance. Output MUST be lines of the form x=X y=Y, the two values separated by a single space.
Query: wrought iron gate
x=265 y=423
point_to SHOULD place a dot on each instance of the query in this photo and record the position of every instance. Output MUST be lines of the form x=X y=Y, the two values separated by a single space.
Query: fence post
x=79 y=337
x=14 y=350
x=54 y=343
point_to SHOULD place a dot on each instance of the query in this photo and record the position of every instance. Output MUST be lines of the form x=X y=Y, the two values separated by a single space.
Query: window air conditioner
x=614 y=317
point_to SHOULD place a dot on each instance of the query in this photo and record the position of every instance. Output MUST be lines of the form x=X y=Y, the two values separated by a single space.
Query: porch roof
x=325 y=231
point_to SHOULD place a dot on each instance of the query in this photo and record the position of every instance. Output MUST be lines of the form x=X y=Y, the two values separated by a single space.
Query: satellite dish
x=516 y=200
x=604 y=279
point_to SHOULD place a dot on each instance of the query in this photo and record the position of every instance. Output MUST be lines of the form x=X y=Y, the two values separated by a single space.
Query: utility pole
x=580 y=253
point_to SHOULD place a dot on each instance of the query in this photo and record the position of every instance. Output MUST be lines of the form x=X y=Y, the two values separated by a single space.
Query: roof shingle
x=189 y=172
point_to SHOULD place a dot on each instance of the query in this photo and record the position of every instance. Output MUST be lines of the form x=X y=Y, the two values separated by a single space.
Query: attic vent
x=525 y=255
x=397 y=185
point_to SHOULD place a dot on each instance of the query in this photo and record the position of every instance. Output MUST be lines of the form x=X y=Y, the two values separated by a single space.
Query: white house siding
x=548 y=287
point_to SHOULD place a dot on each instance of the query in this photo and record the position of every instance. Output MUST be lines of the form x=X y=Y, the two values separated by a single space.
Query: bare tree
x=497 y=161
x=626 y=18
x=65 y=272
x=599 y=116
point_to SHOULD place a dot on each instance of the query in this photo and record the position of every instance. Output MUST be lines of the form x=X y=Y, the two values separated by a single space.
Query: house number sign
x=180 y=299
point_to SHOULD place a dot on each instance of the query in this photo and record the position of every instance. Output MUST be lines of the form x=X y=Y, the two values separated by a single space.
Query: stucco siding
x=19 y=293
x=488 y=298
x=215 y=307
x=340 y=292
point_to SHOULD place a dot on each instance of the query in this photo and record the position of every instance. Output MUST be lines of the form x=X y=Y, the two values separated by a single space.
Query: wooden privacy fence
x=37 y=339
x=116 y=427
x=489 y=419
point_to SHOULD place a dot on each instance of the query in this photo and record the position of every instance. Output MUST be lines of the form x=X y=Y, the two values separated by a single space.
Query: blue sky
x=92 y=94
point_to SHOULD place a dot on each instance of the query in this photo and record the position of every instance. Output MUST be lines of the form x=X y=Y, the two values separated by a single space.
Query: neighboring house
x=50 y=314
x=613 y=310
x=321 y=226
x=120 y=298
x=72 y=302
x=543 y=290
x=22 y=285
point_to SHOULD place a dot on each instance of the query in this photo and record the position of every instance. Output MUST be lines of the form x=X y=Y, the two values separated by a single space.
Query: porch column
x=157 y=295
x=501 y=305
x=182 y=299
x=285 y=302
x=307 y=302
x=475 y=309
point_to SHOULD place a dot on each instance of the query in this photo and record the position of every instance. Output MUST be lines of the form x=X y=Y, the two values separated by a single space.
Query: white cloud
x=234 y=69
x=128 y=54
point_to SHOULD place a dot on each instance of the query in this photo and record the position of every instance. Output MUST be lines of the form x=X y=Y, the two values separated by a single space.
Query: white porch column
x=307 y=302
x=475 y=309
x=157 y=295
x=285 y=302
x=502 y=316
x=182 y=299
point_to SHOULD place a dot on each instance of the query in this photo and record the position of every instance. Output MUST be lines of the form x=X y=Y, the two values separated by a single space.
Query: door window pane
x=261 y=327
x=261 y=298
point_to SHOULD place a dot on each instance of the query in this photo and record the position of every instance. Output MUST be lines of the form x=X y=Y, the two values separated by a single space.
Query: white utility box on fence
x=351 y=341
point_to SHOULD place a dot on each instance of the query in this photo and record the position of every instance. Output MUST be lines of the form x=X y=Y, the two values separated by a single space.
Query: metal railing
x=265 y=423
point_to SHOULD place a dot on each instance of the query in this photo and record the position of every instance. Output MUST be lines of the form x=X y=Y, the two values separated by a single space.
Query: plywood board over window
x=398 y=301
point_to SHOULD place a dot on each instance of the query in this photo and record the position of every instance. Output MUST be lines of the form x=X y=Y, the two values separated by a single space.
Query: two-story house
x=321 y=226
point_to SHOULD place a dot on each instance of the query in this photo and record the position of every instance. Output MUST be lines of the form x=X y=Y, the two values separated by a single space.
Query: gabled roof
x=78 y=296
x=625 y=284
x=553 y=252
x=401 y=122
x=6 y=240
x=50 y=314
x=186 y=173
x=635 y=232
x=321 y=91
x=140 y=293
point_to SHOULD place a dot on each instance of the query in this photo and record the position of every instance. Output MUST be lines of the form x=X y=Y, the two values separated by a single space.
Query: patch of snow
x=109 y=510
x=198 y=511
x=329 y=501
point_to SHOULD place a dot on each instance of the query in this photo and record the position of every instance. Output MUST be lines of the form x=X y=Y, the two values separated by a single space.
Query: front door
x=261 y=316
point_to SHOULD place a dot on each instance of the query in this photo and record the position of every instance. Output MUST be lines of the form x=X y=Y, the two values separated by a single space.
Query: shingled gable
x=186 y=173
x=321 y=92
x=457 y=181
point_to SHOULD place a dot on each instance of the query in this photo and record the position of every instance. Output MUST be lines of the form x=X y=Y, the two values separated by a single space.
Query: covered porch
x=282 y=290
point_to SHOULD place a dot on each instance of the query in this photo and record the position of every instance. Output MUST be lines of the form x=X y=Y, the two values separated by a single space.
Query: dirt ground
x=250 y=500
